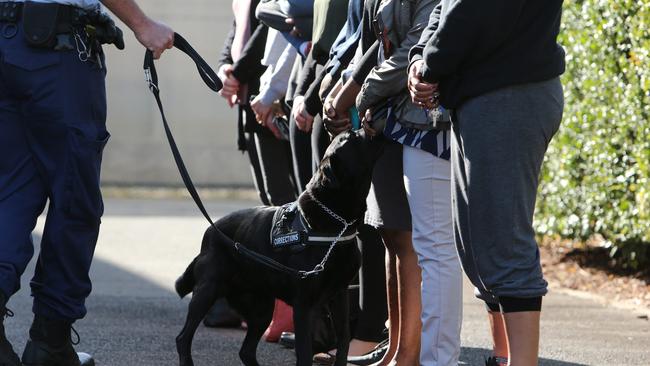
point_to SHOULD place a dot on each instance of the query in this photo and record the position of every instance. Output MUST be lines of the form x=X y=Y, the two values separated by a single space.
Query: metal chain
x=321 y=266
x=330 y=212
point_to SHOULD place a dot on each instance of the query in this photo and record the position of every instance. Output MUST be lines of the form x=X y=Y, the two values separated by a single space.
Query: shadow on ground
x=477 y=356
x=132 y=321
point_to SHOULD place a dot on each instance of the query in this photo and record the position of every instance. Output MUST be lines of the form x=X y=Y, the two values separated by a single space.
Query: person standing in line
x=496 y=65
x=52 y=134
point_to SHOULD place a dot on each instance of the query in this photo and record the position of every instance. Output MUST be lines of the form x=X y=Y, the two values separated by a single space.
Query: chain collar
x=321 y=266
x=330 y=212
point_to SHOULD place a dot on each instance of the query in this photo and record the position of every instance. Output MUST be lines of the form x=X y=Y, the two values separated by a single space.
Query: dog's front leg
x=340 y=310
x=303 y=319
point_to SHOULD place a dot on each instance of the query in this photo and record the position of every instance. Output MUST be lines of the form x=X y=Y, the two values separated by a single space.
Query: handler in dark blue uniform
x=52 y=134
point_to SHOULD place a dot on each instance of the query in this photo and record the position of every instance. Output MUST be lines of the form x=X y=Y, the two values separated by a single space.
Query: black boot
x=7 y=355
x=50 y=344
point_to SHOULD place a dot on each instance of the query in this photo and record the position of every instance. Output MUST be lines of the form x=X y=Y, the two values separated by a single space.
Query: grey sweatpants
x=498 y=145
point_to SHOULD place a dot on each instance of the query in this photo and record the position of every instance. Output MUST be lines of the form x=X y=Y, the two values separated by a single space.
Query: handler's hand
x=155 y=36
x=230 y=84
x=304 y=120
x=262 y=111
x=422 y=93
x=366 y=124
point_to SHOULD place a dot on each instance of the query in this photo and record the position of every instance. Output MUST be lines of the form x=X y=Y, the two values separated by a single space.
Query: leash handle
x=208 y=75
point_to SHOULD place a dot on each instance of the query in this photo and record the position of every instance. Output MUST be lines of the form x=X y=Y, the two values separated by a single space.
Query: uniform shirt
x=86 y=4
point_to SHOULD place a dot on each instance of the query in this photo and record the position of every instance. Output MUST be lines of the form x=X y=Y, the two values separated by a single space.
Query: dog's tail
x=185 y=283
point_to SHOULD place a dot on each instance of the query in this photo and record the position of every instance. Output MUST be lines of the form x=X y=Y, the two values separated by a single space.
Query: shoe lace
x=8 y=313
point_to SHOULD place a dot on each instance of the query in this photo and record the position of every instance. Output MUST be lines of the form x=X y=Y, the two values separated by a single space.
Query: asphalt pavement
x=134 y=314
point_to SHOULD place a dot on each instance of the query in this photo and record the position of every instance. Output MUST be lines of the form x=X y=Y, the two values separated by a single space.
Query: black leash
x=213 y=82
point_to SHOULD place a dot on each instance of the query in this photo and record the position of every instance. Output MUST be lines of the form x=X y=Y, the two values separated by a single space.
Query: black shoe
x=7 y=355
x=221 y=315
x=371 y=357
x=287 y=339
x=494 y=361
x=50 y=344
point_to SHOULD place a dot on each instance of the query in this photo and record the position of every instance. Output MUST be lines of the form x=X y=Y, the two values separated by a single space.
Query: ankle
x=359 y=347
x=54 y=332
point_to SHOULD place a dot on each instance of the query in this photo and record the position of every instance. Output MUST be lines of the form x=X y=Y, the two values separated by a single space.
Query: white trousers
x=428 y=187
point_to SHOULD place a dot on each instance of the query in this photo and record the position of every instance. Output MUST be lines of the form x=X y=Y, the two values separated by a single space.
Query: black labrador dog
x=340 y=185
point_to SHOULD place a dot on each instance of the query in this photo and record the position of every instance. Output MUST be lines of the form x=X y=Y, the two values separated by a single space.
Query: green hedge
x=596 y=179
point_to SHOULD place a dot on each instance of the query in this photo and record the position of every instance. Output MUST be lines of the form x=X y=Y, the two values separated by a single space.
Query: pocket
x=29 y=59
x=84 y=201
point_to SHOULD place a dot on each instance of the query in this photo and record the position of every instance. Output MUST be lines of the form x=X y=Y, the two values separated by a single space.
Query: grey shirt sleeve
x=390 y=77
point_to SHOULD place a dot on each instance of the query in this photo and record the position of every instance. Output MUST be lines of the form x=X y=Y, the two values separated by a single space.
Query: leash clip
x=149 y=80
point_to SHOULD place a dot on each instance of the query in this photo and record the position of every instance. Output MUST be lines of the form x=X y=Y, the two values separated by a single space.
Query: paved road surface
x=134 y=315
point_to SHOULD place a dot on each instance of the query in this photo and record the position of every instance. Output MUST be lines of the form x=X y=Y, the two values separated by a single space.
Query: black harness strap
x=213 y=82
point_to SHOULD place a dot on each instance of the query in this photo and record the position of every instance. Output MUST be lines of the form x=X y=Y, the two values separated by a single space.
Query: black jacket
x=486 y=45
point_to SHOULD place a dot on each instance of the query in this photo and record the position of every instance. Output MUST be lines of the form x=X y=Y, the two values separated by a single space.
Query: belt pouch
x=40 y=23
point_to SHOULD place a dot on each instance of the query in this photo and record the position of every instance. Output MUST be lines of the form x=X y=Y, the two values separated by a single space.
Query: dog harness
x=290 y=231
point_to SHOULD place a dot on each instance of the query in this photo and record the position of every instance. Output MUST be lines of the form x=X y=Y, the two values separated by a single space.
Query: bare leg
x=393 y=308
x=359 y=347
x=499 y=337
x=409 y=287
x=409 y=299
x=523 y=337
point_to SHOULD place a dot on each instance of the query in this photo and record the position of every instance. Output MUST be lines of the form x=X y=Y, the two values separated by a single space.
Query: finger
x=343 y=128
x=423 y=86
x=157 y=53
x=340 y=122
x=229 y=90
x=289 y=21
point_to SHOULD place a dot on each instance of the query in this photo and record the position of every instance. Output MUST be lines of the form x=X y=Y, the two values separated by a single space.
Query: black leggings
x=373 y=308
x=515 y=304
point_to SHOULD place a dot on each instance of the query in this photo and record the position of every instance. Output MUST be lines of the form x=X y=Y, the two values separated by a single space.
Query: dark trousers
x=52 y=134
x=270 y=161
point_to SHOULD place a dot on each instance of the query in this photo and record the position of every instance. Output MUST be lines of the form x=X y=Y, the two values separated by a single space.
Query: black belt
x=12 y=12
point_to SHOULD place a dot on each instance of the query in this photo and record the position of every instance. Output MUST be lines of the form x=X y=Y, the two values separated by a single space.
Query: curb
x=641 y=312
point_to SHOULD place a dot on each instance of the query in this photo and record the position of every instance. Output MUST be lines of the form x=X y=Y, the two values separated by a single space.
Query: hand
x=273 y=127
x=295 y=31
x=230 y=84
x=422 y=93
x=328 y=108
x=336 y=123
x=262 y=111
x=304 y=120
x=366 y=122
x=155 y=36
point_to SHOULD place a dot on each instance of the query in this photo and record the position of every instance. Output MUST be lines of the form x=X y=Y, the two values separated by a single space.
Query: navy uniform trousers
x=52 y=134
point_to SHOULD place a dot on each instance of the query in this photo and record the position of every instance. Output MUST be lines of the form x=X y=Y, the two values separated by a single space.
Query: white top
x=86 y=4
x=279 y=56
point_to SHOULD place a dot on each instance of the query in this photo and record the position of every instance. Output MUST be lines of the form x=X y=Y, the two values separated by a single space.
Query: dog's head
x=343 y=178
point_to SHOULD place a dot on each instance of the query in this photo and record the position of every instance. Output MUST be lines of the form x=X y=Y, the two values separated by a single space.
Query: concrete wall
x=202 y=122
